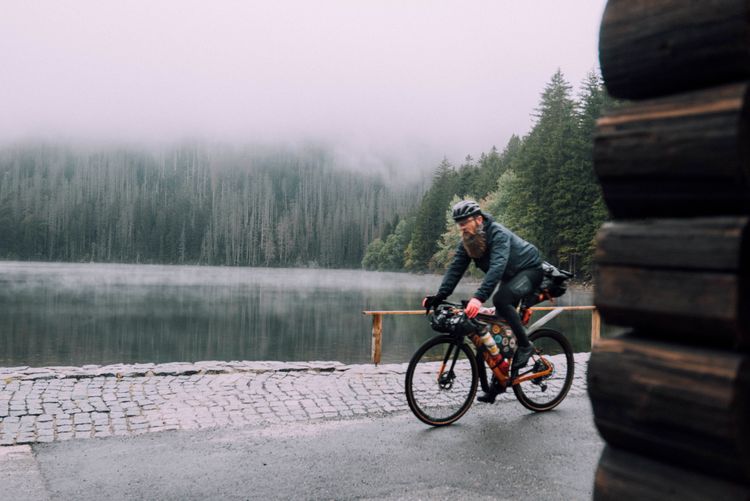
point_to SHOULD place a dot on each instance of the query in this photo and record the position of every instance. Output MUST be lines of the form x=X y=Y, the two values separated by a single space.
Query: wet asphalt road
x=494 y=452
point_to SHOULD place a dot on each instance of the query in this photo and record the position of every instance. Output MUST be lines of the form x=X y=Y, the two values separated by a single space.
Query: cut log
x=687 y=406
x=622 y=475
x=711 y=307
x=709 y=244
x=675 y=157
x=654 y=47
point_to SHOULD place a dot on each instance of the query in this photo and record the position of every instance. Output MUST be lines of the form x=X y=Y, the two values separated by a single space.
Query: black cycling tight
x=510 y=293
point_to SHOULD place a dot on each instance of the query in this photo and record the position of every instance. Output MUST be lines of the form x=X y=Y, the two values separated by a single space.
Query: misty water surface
x=77 y=314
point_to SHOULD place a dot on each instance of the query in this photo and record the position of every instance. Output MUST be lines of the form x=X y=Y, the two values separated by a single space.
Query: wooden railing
x=377 y=323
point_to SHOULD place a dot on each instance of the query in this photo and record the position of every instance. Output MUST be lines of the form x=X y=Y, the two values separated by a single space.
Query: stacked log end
x=671 y=397
x=656 y=47
x=683 y=155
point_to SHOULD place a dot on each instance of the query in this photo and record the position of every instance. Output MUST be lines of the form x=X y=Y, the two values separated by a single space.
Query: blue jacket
x=505 y=256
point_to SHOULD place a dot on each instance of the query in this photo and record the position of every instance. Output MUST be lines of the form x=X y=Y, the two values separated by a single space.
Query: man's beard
x=475 y=244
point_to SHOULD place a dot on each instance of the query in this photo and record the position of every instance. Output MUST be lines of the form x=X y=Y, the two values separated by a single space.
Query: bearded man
x=506 y=259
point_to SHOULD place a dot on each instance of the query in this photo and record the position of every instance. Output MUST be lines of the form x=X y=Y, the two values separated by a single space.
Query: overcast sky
x=452 y=78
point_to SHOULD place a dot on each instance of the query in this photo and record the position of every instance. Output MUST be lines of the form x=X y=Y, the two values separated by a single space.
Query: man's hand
x=431 y=302
x=473 y=307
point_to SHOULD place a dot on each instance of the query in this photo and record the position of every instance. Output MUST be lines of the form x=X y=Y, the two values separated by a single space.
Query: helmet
x=464 y=209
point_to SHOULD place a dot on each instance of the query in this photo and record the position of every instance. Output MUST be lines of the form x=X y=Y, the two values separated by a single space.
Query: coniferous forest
x=208 y=204
x=542 y=186
x=191 y=205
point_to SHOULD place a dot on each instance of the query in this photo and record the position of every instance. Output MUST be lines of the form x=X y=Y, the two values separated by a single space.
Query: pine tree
x=191 y=204
x=540 y=209
x=428 y=225
x=593 y=101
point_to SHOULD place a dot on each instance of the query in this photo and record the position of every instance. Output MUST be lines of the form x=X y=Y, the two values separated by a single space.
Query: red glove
x=473 y=307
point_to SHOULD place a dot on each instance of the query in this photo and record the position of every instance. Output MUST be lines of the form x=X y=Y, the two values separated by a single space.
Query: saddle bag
x=555 y=281
x=554 y=284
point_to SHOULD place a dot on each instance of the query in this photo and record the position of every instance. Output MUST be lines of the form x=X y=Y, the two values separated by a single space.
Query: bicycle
x=442 y=376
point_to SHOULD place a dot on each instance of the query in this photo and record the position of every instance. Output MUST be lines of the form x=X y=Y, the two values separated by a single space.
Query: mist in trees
x=253 y=206
x=542 y=186
x=193 y=204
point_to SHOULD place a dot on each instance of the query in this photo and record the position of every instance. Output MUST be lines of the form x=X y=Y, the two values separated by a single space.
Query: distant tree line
x=200 y=204
x=192 y=204
x=542 y=186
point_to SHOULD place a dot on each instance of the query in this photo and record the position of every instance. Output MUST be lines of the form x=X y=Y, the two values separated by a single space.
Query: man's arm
x=498 y=261
x=455 y=271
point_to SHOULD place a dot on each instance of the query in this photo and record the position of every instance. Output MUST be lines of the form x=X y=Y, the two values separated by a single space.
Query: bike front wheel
x=441 y=380
x=546 y=392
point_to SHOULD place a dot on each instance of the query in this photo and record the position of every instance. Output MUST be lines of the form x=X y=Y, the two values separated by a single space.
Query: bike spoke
x=543 y=385
x=443 y=399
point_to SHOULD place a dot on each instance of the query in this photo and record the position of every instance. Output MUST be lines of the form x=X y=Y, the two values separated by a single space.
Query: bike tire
x=557 y=349
x=440 y=395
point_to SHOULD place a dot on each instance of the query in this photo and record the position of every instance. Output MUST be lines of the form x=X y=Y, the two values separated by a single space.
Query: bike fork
x=452 y=350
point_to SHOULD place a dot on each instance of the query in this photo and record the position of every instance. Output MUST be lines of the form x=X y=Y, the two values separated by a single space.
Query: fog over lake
x=374 y=80
x=76 y=314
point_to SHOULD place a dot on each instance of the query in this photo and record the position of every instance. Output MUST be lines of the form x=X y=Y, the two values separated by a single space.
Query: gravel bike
x=443 y=374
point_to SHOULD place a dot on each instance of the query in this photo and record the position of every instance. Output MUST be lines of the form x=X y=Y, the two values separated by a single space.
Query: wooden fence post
x=596 y=326
x=377 y=337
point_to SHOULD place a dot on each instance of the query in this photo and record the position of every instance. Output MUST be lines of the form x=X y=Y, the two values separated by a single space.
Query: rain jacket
x=505 y=256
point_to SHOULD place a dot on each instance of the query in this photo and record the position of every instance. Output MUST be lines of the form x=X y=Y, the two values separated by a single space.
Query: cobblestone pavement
x=51 y=404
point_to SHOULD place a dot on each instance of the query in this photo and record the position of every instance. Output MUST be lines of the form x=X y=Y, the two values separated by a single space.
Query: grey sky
x=451 y=78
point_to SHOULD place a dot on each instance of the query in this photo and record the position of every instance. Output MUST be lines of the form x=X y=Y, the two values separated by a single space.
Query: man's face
x=470 y=225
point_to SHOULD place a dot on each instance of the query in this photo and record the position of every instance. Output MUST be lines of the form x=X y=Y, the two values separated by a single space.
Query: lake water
x=77 y=314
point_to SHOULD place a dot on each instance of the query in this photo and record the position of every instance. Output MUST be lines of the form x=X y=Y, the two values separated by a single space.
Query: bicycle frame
x=510 y=380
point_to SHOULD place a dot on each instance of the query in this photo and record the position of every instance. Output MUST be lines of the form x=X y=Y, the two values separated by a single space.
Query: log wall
x=685 y=155
x=671 y=397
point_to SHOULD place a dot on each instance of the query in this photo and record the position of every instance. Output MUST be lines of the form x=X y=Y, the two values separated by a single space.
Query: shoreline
x=209 y=367
x=202 y=368
x=574 y=283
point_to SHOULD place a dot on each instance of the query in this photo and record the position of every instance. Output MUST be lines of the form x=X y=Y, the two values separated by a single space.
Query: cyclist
x=506 y=259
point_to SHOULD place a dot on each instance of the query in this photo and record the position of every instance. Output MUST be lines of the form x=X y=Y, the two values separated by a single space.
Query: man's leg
x=506 y=299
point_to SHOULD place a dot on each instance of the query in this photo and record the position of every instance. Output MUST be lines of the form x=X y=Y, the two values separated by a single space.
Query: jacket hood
x=488 y=220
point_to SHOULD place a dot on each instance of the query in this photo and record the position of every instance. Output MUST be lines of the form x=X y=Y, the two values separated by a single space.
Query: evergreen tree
x=593 y=101
x=448 y=241
x=392 y=253
x=373 y=255
x=507 y=203
x=192 y=204
x=540 y=209
x=491 y=167
x=428 y=225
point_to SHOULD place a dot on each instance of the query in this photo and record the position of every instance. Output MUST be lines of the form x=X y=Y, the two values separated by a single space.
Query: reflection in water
x=76 y=314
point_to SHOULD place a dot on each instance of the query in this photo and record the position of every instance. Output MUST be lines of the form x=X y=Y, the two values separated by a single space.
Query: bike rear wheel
x=545 y=393
x=441 y=380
